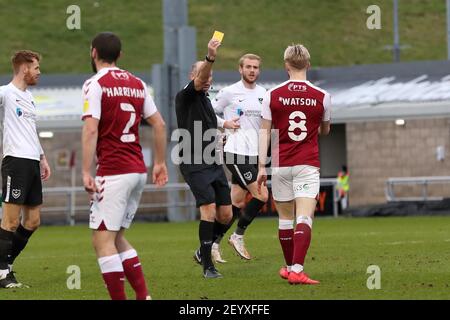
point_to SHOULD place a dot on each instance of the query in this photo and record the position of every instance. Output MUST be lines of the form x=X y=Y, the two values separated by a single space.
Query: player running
x=242 y=99
x=115 y=101
x=298 y=111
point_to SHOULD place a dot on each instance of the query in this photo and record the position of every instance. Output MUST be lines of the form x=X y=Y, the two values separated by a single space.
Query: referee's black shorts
x=244 y=169
x=21 y=181
x=209 y=185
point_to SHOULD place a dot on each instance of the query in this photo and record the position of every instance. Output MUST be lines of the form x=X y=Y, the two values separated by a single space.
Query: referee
x=206 y=178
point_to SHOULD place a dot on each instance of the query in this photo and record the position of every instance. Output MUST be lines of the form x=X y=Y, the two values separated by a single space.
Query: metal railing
x=70 y=209
x=424 y=182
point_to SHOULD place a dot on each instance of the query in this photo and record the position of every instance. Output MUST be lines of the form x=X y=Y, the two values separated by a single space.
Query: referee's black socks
x=250 y=212
x=19 y=241
x=6 y=240
x=205 y=233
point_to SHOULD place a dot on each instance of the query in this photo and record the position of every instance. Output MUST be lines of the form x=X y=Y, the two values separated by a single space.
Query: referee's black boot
x=10 y=281
x=198 y=256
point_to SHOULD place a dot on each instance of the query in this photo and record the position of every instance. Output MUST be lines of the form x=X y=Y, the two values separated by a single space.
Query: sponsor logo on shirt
x=295 y=87
x=120 y=75
x=25 y=114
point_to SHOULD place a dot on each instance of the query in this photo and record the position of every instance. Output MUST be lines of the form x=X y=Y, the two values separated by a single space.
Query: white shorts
x=295 y=182
x=117 y=200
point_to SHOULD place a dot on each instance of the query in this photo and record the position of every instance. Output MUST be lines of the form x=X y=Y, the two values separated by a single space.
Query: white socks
x=110 y=264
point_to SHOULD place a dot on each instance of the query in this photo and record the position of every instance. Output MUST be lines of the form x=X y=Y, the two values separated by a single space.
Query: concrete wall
x=379 y=150
x=333 y=151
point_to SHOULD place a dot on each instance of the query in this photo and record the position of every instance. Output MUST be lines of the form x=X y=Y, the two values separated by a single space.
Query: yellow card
x=218 y=36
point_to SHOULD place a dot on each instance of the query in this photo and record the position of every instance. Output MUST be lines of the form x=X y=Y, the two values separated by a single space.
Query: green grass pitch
x=412 y=253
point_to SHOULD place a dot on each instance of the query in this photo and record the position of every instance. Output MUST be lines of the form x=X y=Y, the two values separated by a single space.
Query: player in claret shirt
x=298 y=111
x=115 y=101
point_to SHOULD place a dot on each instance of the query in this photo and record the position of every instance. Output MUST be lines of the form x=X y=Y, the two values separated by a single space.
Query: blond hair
x=250 y=56
x=297 y=56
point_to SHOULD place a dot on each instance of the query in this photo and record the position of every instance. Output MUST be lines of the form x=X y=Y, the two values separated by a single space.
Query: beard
x=246 y=79
x=30 y=80
x=94 y=67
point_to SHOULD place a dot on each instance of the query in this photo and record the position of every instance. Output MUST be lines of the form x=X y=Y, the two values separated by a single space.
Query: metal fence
x=422 y=182
x=73 y=202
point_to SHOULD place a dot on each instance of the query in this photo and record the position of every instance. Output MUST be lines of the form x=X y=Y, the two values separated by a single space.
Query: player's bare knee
x=208 y=212
x=10 y=223
x=224 y=214
x=239 y=203
x=32 y=223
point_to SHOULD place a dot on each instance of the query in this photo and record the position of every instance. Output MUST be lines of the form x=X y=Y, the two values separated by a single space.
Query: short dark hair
x=23 y=56
x=108 y=46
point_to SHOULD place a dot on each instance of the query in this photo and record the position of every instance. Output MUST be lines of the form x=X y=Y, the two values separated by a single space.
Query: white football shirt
x=18 y=120
x=238 y=101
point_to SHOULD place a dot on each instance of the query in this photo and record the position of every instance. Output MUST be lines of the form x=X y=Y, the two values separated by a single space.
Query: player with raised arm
x=243 y=100
x=298 y=111
x=115 y=101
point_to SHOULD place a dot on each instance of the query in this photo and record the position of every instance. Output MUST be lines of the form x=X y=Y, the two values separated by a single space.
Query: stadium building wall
x=378 y=150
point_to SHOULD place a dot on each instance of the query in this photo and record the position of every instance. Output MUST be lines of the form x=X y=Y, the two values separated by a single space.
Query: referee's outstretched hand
x=213 y=45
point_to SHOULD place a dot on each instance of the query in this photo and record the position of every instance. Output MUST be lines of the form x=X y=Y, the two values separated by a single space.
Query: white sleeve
x=222 y=100
x=1 y=98
x=220 y=122
x=149 y=105
x=92 y=100
x=326 y=107
x=266 y=113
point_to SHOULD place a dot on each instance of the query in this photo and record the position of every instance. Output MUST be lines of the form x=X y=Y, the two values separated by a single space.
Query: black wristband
x=208 y=59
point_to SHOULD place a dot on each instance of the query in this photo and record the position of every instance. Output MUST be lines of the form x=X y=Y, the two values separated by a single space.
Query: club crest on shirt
x=260 y=100
x=16 y=193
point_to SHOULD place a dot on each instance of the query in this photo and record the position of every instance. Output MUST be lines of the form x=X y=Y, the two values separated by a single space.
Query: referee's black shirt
x=191 y=106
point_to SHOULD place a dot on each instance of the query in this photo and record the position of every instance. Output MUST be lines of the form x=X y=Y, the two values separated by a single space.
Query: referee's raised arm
x=203 y=74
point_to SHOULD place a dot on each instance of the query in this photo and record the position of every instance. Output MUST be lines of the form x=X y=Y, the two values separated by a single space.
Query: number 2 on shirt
x=126 y=136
